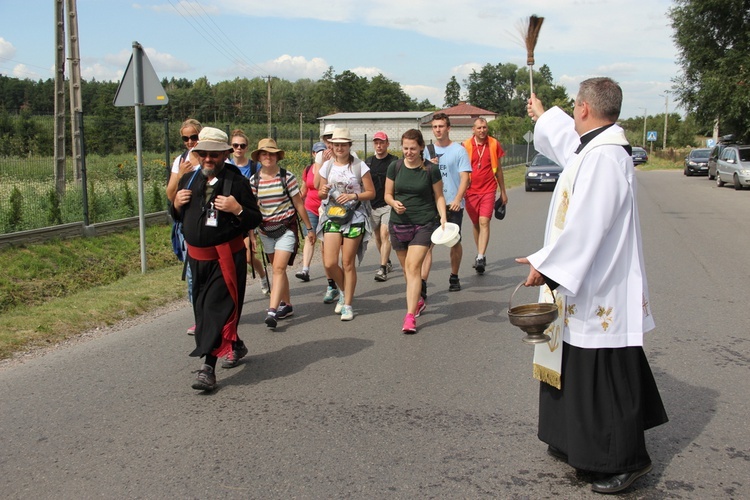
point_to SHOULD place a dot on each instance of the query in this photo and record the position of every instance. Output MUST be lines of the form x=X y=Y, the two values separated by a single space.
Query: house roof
x=378 y=115
x=465 y=109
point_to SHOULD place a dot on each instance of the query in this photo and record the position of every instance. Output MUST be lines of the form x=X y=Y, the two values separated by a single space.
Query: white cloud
x=22 y=71
x=102 y=73
x=463 y=71
x=289 y=68
x=367 y=72
x=421 y=92
x=7 y=50
x=162 y=62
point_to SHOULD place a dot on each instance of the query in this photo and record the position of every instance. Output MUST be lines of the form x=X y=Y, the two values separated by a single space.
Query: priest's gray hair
x=603 y=95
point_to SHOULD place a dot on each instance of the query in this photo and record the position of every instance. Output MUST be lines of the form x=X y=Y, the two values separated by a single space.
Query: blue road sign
x=651 y=136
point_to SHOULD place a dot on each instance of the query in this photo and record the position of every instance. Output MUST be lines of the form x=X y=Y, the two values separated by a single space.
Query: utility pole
x=75 y=85
x=268 y=105
x=645 y=114
x=300 y=131
x=666 y=114
x=59 y=97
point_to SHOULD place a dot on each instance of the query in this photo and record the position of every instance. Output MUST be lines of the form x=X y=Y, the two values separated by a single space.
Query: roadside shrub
x=16 y=203
x=54 y=215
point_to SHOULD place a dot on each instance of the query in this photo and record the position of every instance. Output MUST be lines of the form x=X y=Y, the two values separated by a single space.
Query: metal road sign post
x=140 y=87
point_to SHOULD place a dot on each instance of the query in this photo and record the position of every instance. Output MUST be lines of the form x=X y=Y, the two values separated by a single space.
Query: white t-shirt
x=176 y=164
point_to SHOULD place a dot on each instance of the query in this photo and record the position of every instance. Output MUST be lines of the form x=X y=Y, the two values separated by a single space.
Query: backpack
x=178 y=242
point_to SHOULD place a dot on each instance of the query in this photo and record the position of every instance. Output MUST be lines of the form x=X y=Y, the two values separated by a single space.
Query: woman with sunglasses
x=248 y=168
x=182 y=165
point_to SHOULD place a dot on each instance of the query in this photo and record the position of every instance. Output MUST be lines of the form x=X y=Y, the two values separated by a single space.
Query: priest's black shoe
x=618 y=482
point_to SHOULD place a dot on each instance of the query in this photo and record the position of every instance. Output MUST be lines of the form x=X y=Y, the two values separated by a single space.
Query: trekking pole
x=263 y=256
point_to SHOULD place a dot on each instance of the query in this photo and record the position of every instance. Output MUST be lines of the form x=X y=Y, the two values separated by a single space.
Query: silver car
x=733 y=165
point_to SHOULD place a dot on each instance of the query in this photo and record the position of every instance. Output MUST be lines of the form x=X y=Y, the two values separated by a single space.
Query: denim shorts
x=286 y=242
x=313 y=223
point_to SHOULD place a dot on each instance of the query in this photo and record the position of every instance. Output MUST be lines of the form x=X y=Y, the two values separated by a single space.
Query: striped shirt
x=275 y=205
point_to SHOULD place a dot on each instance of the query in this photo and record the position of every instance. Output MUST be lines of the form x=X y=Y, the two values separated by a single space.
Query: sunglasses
x=212 y=154
x=241 y=146
x=193 y=137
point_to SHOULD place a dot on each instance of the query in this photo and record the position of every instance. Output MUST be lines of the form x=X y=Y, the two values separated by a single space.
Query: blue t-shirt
x=248 y=170
x=453 y=160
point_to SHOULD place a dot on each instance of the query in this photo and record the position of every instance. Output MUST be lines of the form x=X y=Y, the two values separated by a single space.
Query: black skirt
x=609 y=398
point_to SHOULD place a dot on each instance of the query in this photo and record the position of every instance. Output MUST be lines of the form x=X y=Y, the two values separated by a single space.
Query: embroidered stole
x=548 y=356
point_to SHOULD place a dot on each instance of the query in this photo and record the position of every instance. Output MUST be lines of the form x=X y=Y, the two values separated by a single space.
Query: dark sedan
x=696 y=162
x=542 y=173
x=639 y=155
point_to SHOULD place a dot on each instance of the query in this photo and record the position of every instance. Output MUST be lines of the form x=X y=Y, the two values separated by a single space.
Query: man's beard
x=212 y=172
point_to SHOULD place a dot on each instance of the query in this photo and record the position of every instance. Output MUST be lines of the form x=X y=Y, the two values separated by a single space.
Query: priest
x=598 y=394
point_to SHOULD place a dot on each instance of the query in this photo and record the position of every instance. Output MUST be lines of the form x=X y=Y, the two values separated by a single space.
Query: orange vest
x=496 y=151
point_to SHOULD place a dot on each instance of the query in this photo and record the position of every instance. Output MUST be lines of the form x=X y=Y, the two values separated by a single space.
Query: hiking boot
x=421 y=306
x=331 y=295
x=410 y=324
x=271 y=320
x=265 y=288
x=284 y=311
x=339 y=304
x=205 y=380
x=302 y=275
x=234 y=357
x=347 y=313
x=381 y=275
x=454 y=285
x=480 y=264
x=191 y=330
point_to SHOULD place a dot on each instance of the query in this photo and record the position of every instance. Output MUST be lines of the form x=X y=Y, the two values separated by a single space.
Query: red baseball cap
x=380 y=136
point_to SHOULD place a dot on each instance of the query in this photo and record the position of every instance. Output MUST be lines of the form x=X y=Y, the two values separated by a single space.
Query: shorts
x=287 y=242
x=381 y=215
x=405 y=235
x=480 y=205
x=456 y=218
x=313 y=223
x=355 y=230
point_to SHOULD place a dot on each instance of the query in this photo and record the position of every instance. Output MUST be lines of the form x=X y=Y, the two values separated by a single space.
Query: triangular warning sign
x=153 y=92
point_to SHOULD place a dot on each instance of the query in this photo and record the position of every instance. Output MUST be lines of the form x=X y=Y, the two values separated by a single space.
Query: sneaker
x=271 y=321
x=347 y=313
x=303 y=275
x=265 y=288
x=389 y=267
x=410 y=324
x=339 y=304
x=205 y=380
x=234 y=357
x=421 y=306
x=191 y=330
x=480 y=264
x=454 y=285
x=331 y=295
x=284 y=311
x=381 y=275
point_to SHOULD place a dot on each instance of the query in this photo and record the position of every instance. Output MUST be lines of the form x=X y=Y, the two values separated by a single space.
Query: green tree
x=452 y=93
x=383 y=94
x=348 y=91
x=713 y=38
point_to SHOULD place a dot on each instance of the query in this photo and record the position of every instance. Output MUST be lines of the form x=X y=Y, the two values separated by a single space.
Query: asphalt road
x=327 y=409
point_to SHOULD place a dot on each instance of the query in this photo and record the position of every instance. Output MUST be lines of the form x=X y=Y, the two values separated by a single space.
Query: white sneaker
x=347 y=313
x=340 y=303
x=264 y=286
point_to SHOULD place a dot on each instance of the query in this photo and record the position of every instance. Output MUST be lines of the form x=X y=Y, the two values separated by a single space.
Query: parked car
x=716 y=151
x=733 y=166
x=542 y=173
x=639 y=155
x=696 y=162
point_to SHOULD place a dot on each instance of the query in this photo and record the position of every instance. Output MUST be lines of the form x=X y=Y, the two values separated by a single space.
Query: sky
x=417 y=43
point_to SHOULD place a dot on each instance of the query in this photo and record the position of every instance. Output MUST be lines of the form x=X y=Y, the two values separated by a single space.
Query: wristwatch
x=309 y=229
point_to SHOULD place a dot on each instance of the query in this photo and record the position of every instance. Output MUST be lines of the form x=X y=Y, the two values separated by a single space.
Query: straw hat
x=268 y=145
x=328 y=130
x=341 y=136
